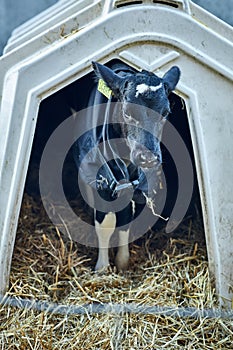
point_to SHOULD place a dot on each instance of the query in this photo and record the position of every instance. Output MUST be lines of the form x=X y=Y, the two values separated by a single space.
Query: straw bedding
x=165 y=271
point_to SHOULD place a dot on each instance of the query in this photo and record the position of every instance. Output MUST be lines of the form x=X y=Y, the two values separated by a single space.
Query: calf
x=120 y=152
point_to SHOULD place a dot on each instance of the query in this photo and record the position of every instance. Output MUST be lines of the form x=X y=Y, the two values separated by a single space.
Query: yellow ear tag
x=104 y=89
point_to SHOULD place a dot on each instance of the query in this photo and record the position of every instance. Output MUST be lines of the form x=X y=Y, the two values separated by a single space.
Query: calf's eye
x=127 y=116
x=166 y=112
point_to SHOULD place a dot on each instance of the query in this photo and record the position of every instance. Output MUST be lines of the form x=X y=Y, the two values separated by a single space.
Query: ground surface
x=164 y=272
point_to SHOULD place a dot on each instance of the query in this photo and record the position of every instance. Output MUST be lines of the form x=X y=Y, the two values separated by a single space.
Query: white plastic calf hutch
x=56 y=48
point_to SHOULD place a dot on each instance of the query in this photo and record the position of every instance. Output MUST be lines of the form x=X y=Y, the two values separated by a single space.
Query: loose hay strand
x=151 y=205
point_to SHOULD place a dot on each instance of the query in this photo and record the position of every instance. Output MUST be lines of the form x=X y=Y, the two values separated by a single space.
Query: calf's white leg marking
x=104 y=232
x=122 y=257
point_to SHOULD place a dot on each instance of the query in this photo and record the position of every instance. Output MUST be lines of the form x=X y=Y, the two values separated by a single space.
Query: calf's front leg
x=105 y=225
x=122 y=257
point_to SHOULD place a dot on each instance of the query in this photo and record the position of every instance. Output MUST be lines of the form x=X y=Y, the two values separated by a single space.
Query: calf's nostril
x=142 y=158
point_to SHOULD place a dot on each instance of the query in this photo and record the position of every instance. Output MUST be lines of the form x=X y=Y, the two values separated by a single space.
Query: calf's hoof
x=100 y=266
x=122 y=263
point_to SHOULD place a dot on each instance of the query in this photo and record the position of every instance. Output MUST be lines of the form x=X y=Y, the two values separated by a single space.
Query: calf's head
x=145 y=107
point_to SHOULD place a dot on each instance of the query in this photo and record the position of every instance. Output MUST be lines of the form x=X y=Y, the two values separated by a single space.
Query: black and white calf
x=120 y=151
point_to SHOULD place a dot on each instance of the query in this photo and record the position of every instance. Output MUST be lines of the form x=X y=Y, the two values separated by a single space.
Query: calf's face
x=145 y=107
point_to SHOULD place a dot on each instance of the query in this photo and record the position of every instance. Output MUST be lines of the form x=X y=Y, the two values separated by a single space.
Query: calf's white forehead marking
x=142 y=88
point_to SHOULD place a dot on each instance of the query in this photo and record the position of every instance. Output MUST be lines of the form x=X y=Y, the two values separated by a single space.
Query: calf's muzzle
x=144 y=158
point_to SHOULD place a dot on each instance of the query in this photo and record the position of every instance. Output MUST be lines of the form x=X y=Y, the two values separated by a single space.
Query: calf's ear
x=171 y=78
x=112 y=80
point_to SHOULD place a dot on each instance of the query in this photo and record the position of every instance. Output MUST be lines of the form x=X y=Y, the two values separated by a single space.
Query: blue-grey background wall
x=220 y=8
x=15 y=12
